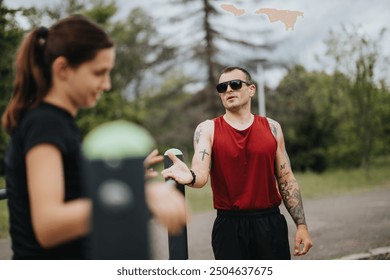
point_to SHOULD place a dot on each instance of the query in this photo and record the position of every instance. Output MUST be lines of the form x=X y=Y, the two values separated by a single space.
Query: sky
x=300 y=45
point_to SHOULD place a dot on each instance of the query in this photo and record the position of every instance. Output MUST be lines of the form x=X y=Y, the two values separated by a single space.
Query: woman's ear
x=60 y=68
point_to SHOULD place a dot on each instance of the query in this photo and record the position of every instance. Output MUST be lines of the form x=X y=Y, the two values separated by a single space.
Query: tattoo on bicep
x=291 y=195
x=198 y=133
x=204 y=153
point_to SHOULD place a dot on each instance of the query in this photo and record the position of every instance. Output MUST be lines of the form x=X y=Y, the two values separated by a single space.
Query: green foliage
x=112 y=106
x=382 y=146
x=10 y=36
x=358 y=56
x=339 y=119
x=307 y=97
x=3 y=213
x=4 y=227
x=163 y=114
x=139 y=49
x=342 y=181
x=102 y=12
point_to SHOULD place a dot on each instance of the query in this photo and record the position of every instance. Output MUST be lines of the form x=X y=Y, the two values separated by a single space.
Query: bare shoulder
x=206 y=126
x=204 y=129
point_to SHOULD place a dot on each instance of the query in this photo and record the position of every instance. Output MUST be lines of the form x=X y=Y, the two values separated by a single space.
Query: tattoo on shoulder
x=273 y=129
x=272 y=126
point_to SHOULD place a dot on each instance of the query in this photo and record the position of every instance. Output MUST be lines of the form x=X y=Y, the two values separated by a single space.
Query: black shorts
x=250 y=235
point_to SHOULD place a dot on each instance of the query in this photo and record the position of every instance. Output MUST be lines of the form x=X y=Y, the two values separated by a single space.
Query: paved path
x=339 y=226
x=5 y=250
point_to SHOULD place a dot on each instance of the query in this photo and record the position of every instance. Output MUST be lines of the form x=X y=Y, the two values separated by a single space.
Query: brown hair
x=76 y=38
x=232 y=68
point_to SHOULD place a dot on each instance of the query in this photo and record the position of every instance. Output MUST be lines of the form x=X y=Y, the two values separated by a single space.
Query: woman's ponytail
x=32 y=78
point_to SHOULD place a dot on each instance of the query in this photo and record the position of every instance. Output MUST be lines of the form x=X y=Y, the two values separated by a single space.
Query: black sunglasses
x=234 y=85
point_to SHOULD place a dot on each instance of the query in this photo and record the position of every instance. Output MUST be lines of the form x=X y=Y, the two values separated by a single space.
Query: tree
x=10 y=36
x=139 y=49
x=304 y=106
x=383 y=148
x=208 y=44
x=138 y=46
x=161 y=117
x=358 y=56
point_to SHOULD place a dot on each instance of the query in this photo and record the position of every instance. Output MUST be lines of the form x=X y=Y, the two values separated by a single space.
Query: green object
x=174 y=151
x=117 y=140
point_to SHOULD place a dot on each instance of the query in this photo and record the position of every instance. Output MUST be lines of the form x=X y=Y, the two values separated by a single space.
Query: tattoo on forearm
x=291 y=195
x=204 y=153
x=287 y=157
x=283 y=170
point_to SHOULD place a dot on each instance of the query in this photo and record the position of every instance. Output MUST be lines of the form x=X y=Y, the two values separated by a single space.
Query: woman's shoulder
x=44 y=113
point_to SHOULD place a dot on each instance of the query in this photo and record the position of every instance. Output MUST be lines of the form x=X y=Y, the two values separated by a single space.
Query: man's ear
x=60 y=67
x=252 y=88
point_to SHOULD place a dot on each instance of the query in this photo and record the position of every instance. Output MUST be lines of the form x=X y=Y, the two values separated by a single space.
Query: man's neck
x=239 y=120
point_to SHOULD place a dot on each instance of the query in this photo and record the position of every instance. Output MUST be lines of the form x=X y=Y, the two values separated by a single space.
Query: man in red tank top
x=250 y=173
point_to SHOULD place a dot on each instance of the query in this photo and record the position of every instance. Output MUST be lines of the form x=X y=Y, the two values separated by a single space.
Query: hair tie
x=42 y=32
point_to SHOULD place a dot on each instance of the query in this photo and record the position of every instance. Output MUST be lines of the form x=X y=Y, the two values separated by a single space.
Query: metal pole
x=260 y=80
x=178 y=244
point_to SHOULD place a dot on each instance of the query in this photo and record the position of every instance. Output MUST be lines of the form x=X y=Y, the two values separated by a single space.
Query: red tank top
x=242 y=171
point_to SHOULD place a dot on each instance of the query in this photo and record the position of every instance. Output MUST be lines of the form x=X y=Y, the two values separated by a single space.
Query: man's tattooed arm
x=201 y=160
x=273 y=127
x=199 y=148
x=290 y=192
x=197 y=134
x=291 y=195
x=288 y=185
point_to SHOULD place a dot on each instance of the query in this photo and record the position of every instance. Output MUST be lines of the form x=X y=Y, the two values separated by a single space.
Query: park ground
x=348 y=226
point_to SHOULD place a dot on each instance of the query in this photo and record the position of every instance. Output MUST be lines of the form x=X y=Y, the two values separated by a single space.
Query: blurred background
x=326 y=80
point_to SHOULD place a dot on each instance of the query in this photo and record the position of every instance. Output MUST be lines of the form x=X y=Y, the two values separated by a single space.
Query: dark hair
x=232 y=68
x=76 y=38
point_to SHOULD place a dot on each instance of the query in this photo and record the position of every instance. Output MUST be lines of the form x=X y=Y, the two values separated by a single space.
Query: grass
x=3 y=214
x=313 y=185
